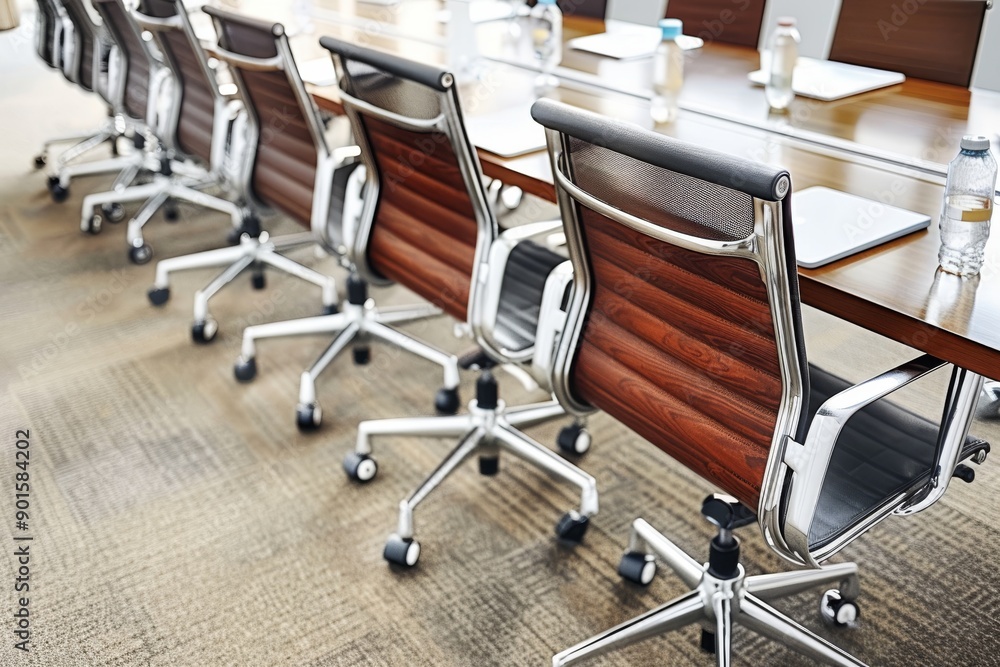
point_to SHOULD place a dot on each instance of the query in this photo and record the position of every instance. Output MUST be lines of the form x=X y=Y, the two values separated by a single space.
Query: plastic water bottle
x=668 y=72
x=546 y=33
x=784 y=55
x=968 y=207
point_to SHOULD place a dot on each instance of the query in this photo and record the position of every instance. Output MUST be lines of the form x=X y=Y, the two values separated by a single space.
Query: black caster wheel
x=258 y=280
x=308 y=417
x=204 y=332
x=171 y=214
x=245 y=370
x=93 y=226
x=332 y=309
x=446 y=401
x=362 y=355
x=489 y=465
x=572 y=527
x=58 y=192
x=113 y=212
x=140 y=254
x=158 y=295
x=637 y=567
x=574 y=439
x=838 y=611
x=40 y=161
x=360 y=467
x=402 y=552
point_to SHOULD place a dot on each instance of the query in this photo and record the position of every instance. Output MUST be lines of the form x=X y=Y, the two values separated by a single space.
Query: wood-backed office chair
x=429 y=227
x=684 y=325
x=191 y=131
x=935 y=40
x=593 y=9
x=720 y=20
x=287 y=164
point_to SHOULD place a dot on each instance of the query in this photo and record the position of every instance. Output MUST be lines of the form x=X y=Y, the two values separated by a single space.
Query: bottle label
x=978 y=209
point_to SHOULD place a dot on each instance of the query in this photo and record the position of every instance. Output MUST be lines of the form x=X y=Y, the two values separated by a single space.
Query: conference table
x=889 y=146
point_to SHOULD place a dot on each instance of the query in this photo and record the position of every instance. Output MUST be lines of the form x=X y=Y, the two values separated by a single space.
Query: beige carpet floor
x=180 y=518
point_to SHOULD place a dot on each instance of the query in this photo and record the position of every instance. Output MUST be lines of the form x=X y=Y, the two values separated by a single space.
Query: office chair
x=190 y=138
x=594 y=9
x=870 y=33
x=684 y=325
x=289 y=167
x=722 y=21
x=428 y=227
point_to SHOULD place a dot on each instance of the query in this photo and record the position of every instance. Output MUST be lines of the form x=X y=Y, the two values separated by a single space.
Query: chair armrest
x=809 y=461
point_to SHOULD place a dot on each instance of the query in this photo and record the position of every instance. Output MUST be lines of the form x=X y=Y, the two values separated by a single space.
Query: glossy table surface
x=893 y=289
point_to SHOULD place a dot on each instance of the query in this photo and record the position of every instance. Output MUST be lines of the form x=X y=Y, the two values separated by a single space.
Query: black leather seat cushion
x=883 y=450
x=528 y=267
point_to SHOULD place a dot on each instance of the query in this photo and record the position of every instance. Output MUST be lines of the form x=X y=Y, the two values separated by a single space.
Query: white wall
x=987 y=71
x=645 y=12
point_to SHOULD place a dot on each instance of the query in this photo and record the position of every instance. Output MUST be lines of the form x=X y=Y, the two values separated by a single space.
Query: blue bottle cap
x=671 y=28
x=546 y=2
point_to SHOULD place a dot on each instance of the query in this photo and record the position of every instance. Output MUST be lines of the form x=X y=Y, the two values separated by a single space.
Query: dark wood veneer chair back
x=45 y=32
x=594 y=9
x=935 y=39
x=424 y=232
x=194 y=83
x=85 y=36
x=135 y=58
x=679 y=345
x=289 y=138
x=728 y=21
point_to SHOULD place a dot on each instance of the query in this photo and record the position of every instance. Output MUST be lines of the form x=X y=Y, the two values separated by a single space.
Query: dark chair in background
x=723 y=21
x=428 y=226
x=684 y=325
x=593 y=9
x=938 y=41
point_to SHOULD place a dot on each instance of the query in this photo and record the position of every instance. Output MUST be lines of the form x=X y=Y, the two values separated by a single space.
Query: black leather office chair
x=684 y=325
x=429 y=227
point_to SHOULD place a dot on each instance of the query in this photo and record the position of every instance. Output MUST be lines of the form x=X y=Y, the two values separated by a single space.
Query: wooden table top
x=894 y=289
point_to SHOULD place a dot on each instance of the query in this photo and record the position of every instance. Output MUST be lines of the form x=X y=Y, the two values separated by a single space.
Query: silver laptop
x=830 y=225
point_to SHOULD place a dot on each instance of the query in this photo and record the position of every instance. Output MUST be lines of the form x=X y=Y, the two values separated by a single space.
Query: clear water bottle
x=784 y=55
x=546 y=34
x=668 y=72
x=968 y=207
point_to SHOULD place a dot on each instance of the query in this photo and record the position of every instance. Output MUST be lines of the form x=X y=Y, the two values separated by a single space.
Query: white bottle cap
x=786 y=21
x=971 y=142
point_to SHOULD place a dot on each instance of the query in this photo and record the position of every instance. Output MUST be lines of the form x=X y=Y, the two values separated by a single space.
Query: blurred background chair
x=723 y=21
x=432 y=230
x=289 y=167
x=684 y=325
x=895 y=36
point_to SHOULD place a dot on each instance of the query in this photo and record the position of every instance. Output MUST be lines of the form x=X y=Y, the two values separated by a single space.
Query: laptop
x=828 y=80
x=627 y=41
x=830 y=225
x=508 y=132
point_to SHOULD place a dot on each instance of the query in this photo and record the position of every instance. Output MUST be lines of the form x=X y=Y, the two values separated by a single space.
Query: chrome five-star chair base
x=359 y=321
x=723 y=596
x=489 y=426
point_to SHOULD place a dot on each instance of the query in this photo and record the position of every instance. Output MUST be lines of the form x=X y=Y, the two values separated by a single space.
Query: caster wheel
x=113 y=212
x=489 y=465
x=204 y=332
x=171 y=214
x=58 y=192
x=403 y=552
x=158 y=295
x=572 y=527
x=308 y=417
x=362 y=355
x=446 y=401
x=360 y=467
x=637 y=567
x=332 y=309
x=836 y=610
x=140 y=254
x=245 y=370
x=40 y=161
x=574 y=439
x=93 y=226
x=258 y=280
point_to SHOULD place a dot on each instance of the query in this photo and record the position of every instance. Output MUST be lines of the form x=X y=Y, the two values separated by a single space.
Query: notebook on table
x=508 y=132
x=625 y=41
x=827 y=80
x=830 y=225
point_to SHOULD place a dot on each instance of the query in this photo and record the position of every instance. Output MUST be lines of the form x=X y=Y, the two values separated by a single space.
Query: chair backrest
x=137 y=62
x=720 y=20
x=287 y=143
x=594 y=9
x=47 y=31
x=426 y=224
x=197 y=101
x=932 y=39
x=87 y=45
x=684 y=322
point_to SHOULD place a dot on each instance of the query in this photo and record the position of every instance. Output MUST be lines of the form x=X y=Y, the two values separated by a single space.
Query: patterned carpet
x=181 y=519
